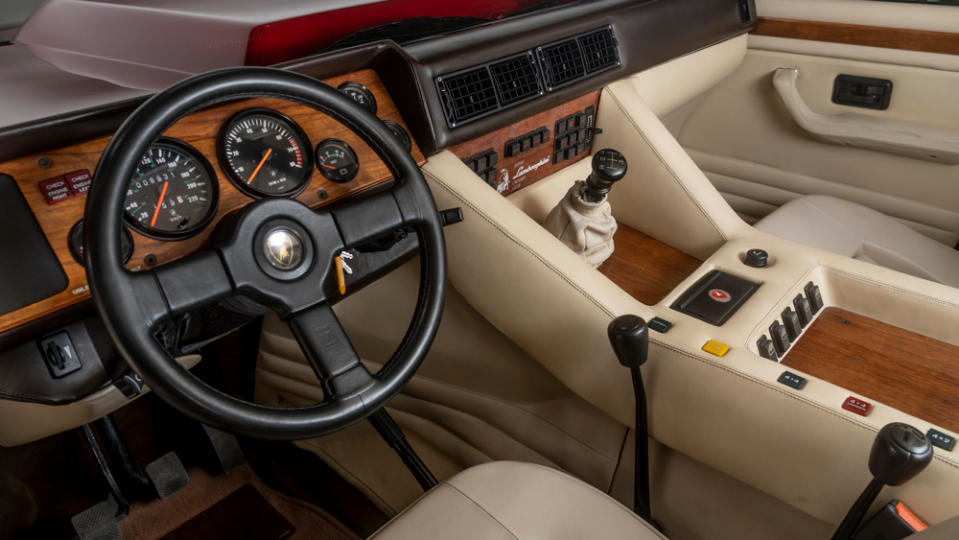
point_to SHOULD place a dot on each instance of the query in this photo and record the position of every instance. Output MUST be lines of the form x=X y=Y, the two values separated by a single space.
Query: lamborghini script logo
x=284 y=250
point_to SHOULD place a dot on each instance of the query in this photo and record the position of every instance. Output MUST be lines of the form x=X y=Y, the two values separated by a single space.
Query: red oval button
x=720 y=295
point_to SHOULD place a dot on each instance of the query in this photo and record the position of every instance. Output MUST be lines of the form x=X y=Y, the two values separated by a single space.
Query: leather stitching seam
x=485 y=511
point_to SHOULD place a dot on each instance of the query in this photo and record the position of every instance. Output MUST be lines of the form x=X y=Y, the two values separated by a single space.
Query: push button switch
x=716 y=348
x=59 y=354
x=660 y=325
x=792 y=380
x=857 y=406
x=940 y=439
x=715 y=297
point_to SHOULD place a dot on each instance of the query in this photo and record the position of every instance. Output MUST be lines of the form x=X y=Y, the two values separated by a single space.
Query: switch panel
x=573 y=135
x=59 y=354
x=484 y=165
x=533 y=139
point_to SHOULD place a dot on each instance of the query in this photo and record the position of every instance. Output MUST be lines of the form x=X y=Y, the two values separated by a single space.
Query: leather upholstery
x=862 y=233
x=518 y=501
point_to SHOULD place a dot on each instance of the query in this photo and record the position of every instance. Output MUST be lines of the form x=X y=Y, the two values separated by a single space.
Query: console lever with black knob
x=899 y=453
x=629 y=336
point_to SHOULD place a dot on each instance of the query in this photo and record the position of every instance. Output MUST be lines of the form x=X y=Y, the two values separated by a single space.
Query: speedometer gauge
x=265 y=154
x=173 y=192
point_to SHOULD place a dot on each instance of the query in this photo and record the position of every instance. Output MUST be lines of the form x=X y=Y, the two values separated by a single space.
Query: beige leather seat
x=516 y=501
x=856 y=231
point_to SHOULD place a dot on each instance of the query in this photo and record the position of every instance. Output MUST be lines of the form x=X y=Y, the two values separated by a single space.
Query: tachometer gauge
x=265 y=154
x=336 y=160
x=173 y=193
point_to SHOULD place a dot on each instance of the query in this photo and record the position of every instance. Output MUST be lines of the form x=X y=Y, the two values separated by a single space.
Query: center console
x=782 y=381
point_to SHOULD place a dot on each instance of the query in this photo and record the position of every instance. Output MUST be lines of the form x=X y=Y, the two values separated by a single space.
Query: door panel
x=742 y=136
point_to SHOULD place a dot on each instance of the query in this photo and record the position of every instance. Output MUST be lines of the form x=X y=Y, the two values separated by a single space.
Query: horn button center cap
x=283 y=249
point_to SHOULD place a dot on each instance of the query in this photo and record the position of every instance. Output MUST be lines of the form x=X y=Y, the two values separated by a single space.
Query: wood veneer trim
x=857 y=34
x=916 y=374
x=646 y=268
x=532 y=165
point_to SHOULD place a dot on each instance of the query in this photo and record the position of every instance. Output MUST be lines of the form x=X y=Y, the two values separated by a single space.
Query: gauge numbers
x=173 y=193
x=265 y=154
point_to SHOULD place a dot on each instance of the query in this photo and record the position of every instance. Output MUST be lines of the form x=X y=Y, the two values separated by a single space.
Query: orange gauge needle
x=156 y=213
x=328 y=166
x=266 y=156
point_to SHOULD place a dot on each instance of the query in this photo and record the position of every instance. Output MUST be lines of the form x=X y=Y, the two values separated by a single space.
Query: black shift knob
x=629 y=337
x=609 y=167
x=899 y=453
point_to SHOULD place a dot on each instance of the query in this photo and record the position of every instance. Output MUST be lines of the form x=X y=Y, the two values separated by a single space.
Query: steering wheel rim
x=132 y=304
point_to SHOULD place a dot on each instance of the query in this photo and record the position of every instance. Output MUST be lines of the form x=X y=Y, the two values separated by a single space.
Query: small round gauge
x=336 y=160
x=265 y=154
x=400 y=134
x=173 y=193
x=359 y=94
x=75 y=242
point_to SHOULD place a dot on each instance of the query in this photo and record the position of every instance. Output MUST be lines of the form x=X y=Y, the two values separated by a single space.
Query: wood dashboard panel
x=911 y=372
x=199 y=130
x=857 y=34
x=644 y=267
x=516 y=172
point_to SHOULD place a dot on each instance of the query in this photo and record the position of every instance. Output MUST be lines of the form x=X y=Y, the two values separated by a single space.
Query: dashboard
x=207 y=165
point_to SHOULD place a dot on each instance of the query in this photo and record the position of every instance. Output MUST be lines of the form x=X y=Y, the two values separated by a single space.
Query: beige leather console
x=729 y=412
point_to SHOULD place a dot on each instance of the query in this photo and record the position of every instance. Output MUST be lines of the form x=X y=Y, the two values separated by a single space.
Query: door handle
x=853 y=129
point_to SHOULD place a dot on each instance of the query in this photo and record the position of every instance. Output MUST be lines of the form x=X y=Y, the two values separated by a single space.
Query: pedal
x=227 y=448
x=167 y=475
x=99 y=522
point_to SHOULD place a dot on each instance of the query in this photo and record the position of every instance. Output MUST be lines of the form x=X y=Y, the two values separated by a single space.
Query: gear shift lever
x=609 y=167
x=629 y=336
x=583 y=219
x=899 y=453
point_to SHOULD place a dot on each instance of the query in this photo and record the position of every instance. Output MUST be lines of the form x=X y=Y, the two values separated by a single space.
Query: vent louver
x=599 y=50
x=467 y=95
x=481 y=90
x=516 y=79
x=562 y=63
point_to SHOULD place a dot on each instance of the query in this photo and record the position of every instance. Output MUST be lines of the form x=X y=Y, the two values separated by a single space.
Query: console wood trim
x=911 y=372
x=200 y=131
x=535 y=164
x=857 y=34
x=646 y=268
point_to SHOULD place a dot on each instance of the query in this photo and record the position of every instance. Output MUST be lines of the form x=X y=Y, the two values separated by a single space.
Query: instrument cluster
x=262 y=152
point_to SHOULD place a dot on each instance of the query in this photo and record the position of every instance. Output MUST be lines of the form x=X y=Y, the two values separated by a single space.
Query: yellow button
x=714 y=347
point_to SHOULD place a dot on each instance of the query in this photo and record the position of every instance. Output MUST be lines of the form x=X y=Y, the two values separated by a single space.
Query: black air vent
x=599 y=50
x=562 y=63
x=516 y=79
x=467 y=95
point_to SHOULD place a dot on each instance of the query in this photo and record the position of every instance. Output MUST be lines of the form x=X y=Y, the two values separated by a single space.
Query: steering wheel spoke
x=330 y=352
x=193 y=282
x=370 y=219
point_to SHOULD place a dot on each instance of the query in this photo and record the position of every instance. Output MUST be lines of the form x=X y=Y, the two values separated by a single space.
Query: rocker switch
x=59 y=354
x=792 y=324
x=780 y=339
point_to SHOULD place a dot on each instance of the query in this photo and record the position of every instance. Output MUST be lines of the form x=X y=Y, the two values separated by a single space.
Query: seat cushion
x=856 y=231
x=516 y=501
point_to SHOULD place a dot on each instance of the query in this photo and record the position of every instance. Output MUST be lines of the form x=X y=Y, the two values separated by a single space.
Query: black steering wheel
x=297 y=281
